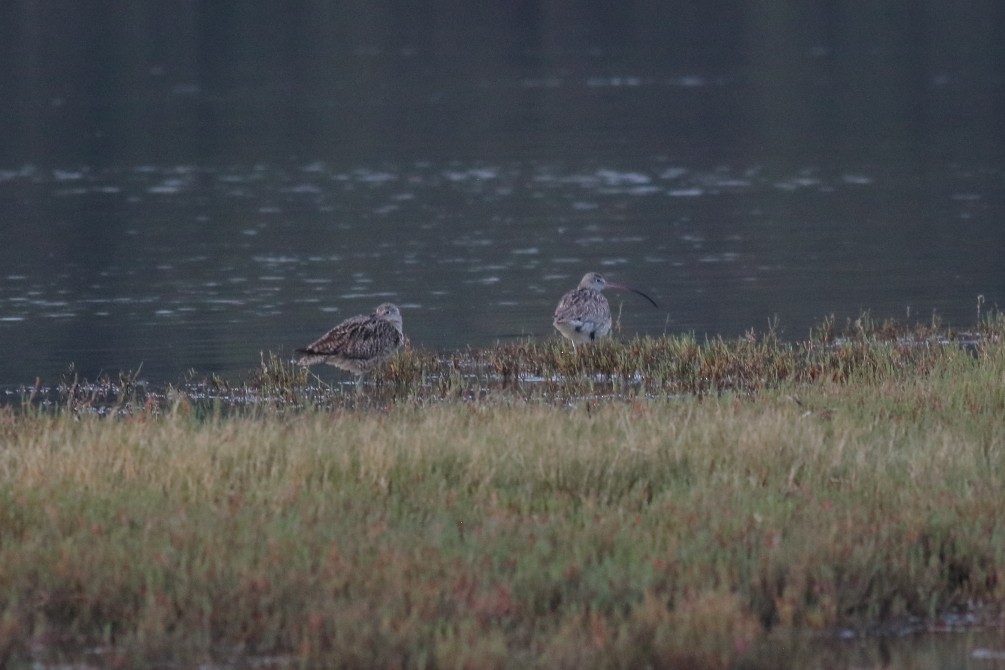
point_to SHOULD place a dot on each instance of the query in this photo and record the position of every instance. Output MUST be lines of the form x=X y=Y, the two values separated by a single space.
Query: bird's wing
x=581 y=305
x=336 y=339
x=362 y=340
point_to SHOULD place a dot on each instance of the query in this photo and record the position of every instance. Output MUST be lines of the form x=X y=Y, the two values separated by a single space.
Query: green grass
x=661 y=503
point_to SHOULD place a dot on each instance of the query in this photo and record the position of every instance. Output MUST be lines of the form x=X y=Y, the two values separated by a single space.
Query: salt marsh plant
x=770 y=490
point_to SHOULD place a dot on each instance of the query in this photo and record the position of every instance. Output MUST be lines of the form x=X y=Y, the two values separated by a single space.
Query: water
x=181 y=190
x=964 y=649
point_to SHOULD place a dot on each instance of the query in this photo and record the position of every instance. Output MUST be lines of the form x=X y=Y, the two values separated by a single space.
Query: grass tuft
x=659 y=502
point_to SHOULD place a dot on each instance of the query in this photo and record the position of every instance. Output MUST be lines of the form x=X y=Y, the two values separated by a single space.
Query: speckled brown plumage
x=358 y=344
x=583 y=314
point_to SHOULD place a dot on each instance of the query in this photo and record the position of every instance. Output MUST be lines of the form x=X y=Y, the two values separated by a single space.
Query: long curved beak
x=633 y=290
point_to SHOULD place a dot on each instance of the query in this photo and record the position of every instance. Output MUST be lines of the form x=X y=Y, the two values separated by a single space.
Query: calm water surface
x=185 y=191
x=203 y=267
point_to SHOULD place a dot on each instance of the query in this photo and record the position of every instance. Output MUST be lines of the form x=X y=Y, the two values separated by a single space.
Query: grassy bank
x=695 y=527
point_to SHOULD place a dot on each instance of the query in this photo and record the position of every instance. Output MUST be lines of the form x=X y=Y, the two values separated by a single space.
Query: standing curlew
x=358 y=344
x=583 y=314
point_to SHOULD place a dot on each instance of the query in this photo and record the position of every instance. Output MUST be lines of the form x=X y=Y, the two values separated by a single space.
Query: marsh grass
x=456 y=519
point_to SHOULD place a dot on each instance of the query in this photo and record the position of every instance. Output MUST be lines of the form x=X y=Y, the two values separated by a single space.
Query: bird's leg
x=322 y=384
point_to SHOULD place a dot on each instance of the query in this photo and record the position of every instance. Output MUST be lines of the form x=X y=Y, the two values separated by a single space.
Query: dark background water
x=184 y=184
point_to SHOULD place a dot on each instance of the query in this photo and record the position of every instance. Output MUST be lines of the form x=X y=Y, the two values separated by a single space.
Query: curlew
x=358 y=344
x=583 y=315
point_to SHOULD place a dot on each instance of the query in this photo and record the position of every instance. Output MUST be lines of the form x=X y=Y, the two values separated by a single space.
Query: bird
x=583 y=315
x=358 y=344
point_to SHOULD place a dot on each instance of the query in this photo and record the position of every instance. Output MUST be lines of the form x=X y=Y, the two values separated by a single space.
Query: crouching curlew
x=358 y=344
